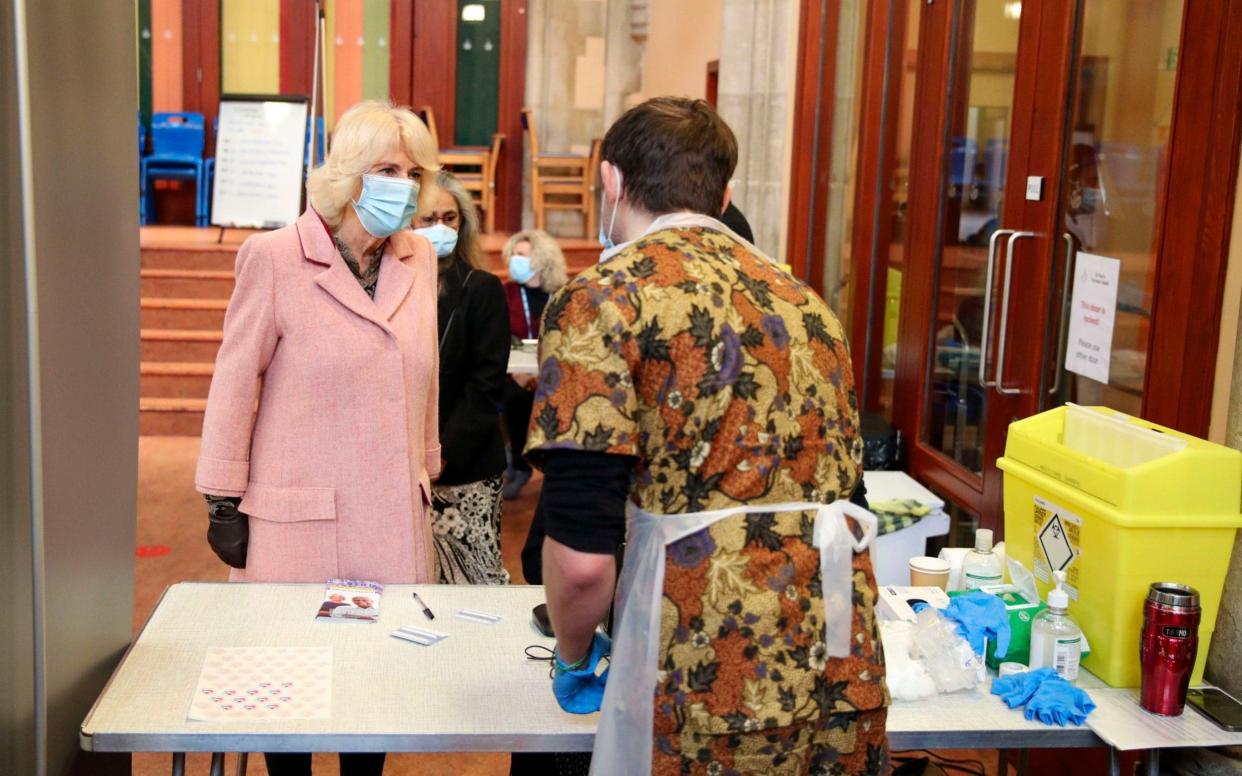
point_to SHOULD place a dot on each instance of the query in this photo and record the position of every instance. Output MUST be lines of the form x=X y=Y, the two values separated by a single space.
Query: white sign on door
x=1093 y=313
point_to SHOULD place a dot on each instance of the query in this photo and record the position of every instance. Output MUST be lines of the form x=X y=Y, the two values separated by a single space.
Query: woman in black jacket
x=474 y=358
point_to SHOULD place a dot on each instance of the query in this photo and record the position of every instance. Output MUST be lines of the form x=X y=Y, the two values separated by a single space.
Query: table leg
x=217 y=764
x=1114 y=762
x=243 y=759
x=1024 y=761
x=1152 y=759
x=1002 y=762
x=178 y=768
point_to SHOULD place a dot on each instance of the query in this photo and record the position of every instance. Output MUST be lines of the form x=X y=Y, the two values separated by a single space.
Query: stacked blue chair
x=209 y=170
x=177 y=141
x=319 y=144
x=142 y=150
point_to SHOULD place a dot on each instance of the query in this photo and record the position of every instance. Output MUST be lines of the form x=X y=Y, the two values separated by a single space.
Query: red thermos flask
x=1169 y=646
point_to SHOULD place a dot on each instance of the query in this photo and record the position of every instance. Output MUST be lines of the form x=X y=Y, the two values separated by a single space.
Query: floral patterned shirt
x=729 y=382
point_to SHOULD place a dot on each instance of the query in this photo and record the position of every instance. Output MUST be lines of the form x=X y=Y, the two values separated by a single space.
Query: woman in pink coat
x=332 y=331
x=321 y=423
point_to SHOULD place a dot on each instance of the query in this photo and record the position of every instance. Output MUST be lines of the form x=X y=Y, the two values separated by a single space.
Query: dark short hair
x=674 y=153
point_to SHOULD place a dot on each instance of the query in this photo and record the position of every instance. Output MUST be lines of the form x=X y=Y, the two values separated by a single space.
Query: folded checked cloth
x=898 y=513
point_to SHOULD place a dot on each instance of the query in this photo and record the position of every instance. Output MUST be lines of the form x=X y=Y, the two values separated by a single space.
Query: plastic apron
x=623 y=740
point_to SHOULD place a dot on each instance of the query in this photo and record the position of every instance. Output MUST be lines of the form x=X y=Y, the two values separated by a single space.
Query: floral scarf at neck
x=369 y=277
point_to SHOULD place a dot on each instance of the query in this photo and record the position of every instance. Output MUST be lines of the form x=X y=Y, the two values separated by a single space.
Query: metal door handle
x=987 y=308
x=1071 y=253
x=1004 y=322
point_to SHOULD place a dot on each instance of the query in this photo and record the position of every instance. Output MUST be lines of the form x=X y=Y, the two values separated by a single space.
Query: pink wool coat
x=335 y=466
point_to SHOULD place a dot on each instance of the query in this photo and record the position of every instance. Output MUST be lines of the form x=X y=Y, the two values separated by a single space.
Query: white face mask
x=443 y=238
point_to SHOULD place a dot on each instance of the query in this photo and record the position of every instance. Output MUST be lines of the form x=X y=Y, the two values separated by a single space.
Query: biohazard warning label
x=1057 y=548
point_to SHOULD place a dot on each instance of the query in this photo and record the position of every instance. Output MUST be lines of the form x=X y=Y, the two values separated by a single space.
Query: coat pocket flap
x=289 y=505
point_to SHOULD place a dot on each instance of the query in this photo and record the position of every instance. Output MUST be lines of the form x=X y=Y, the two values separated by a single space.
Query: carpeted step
x=220 y=258
x=175 y=313
x=186 y=283
x=171 y=416
x=180 y=344
x=175 y=379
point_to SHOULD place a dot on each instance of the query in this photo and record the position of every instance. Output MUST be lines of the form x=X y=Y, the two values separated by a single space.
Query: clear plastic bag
x=948 y=658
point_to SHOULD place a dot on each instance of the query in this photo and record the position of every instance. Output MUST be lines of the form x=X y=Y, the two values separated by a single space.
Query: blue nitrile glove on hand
x=580 y=691
x=1057 y=702
x=978 y=616
x=1048 y=698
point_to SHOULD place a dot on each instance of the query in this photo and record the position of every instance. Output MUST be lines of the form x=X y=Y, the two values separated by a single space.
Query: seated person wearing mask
x=687 y=375
x=536 y=269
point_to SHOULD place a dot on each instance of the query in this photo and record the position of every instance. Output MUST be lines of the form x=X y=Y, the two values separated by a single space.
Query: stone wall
x=756 y=87
x=565 y=86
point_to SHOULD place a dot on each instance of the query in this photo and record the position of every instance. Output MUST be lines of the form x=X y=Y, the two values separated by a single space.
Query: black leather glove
x=229 y=530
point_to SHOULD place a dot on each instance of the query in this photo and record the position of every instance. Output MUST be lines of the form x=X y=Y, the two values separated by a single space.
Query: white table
x=891 y=553
x=474 y=691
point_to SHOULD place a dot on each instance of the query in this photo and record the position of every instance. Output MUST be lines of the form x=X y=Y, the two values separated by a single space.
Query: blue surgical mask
x=519 y=269
x=386 y=204
x=443 y=238
x=605 y=236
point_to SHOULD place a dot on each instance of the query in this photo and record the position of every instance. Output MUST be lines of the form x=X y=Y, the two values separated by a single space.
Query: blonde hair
x=546 y=257
x=468 y=249
x=362 y=136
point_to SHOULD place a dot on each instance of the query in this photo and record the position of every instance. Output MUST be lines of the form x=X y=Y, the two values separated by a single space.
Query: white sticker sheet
x=255 y=683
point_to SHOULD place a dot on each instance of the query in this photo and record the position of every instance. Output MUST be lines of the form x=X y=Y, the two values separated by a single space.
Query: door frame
x=1194 y=229
x=818 y=22
x=1192 y=233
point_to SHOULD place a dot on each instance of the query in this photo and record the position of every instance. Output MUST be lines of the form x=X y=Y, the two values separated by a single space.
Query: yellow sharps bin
x=1119 y=503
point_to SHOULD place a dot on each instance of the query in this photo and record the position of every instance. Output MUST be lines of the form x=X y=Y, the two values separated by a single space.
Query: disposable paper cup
x=929 y=572
x=1009 y=669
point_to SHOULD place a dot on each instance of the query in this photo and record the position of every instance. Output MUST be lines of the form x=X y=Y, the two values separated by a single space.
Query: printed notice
x=1057 y=534
x=1093 y=313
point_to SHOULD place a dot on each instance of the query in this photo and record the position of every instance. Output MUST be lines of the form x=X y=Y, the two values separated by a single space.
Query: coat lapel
x=396 y=277
x=341 y=284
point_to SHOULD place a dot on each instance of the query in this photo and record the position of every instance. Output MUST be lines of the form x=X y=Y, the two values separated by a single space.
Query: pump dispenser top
x=983 y=540
x=1058 y=599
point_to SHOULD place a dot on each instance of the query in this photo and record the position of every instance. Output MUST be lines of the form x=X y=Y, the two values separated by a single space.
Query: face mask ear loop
x=613 y=219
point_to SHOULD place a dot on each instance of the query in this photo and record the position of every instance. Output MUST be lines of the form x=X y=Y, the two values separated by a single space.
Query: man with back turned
x=690 y=381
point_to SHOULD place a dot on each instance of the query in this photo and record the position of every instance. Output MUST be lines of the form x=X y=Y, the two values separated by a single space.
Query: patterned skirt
x=465 y=523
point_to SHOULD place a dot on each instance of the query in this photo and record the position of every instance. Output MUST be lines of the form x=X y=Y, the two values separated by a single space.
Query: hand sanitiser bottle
x=982 y=566
x=1056 y=640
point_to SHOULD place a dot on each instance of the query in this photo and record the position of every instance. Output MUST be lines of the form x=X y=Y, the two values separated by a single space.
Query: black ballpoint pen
x=426 y=609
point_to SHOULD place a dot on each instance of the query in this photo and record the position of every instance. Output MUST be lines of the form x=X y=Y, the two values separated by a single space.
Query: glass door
x=1112 y=192
x=985 y=174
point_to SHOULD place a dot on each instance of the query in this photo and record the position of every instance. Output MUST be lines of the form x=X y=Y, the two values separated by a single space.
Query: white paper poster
x=1093 y=313
x=260 y=150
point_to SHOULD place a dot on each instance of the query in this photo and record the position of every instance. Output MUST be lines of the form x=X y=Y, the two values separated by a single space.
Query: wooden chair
x=480 y=184
x=428 y=117
x=593 y=190
x=558 y=181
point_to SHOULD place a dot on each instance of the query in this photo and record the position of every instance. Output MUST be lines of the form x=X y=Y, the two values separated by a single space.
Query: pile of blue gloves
x=577 y=688
x=1047 y=697
x=980 y=616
